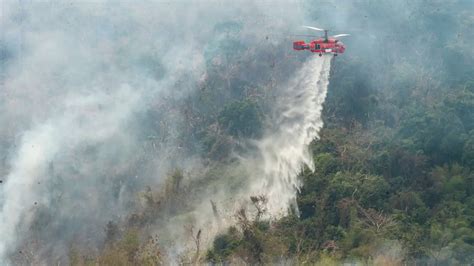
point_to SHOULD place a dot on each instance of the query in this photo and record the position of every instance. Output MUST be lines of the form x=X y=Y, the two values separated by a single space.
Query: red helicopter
x=322 y=45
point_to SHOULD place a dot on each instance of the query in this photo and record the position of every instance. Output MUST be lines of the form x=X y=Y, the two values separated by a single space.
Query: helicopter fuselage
x=321 y=46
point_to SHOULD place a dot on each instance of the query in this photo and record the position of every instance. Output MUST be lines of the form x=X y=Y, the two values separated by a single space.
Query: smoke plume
x=90 y=113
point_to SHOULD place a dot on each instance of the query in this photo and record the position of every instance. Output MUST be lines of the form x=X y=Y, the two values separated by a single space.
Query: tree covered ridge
x=390 y=187
x=393 y=184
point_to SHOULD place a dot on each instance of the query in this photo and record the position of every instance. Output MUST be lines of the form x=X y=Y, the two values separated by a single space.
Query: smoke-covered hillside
x=158 y=132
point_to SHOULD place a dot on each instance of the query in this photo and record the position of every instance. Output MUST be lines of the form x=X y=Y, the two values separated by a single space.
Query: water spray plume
x=283 y=152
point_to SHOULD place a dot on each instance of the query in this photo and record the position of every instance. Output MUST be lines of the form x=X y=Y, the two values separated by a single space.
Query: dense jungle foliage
x=388 y=188
x=394 y=178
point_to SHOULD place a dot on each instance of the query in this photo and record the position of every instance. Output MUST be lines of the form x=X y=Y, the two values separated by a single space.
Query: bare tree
x=260 y=203
x=370 y=217
x=197 y=242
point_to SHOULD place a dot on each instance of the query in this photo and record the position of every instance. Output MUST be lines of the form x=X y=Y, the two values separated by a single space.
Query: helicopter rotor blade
x=313 y=28
x=305 y=35
x=341 y=35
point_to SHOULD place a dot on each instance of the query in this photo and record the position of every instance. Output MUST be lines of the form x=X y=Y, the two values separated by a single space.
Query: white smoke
x=86 y=125
x=76 y=80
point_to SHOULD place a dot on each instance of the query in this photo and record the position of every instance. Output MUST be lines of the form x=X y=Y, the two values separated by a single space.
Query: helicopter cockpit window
x=318 y=46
